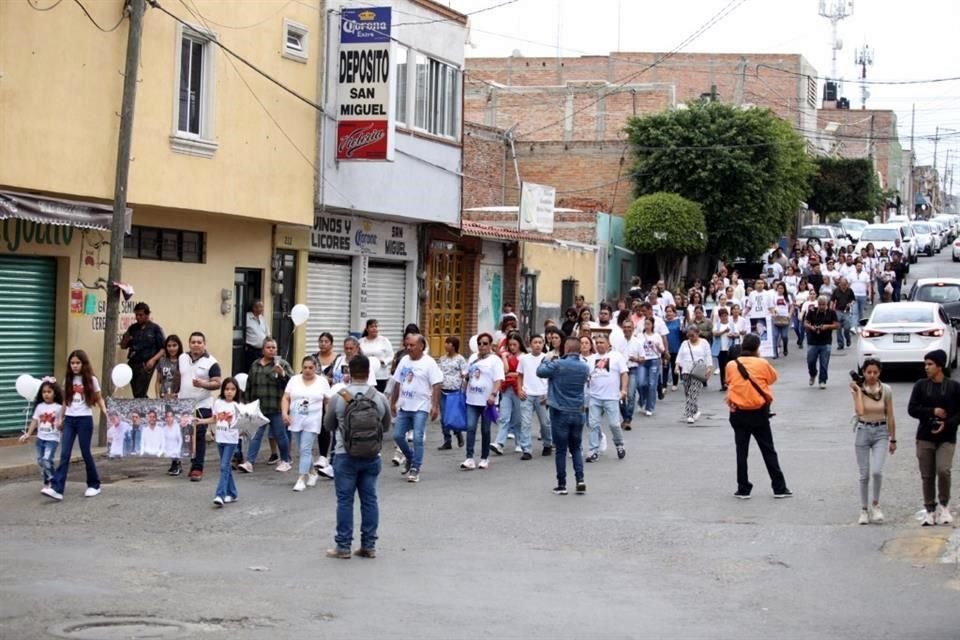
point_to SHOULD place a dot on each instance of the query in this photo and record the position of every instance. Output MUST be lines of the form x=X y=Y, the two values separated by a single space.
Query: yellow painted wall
x=555 y=264
x=60 y=92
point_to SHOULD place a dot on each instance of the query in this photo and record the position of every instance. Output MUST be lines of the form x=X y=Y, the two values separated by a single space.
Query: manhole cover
x=121 y=629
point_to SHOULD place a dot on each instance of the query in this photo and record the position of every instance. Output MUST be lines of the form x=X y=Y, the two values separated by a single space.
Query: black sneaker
x=621 y=452
x=526 y=456
x=445 y=446
x=496 y=448
x=547 y=451
x=593 y=457
x=581 y=488
x=786 y=493
x=173 y=467
x=176 y=470
x=560 y=491
x=741 y=495
x=459 y=439
x=405 y=467
x=273 y=459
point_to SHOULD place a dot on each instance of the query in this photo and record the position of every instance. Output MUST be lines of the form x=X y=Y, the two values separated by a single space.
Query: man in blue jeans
x=415 y=397
x=352 y=475
x=567 y=377
x=820 y=324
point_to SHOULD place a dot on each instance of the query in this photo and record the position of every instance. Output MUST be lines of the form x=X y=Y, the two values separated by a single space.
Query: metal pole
x=910 y=190
x=118 y=224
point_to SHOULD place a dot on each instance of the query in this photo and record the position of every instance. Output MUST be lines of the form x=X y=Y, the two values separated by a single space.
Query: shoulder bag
x=700 y=368
x=767 y=401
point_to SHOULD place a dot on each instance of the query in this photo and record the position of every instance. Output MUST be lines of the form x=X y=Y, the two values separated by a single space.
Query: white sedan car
x=903 y=332
x=956 y=250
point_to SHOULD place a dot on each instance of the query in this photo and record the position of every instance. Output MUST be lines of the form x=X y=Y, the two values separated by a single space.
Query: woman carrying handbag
x=694 y=366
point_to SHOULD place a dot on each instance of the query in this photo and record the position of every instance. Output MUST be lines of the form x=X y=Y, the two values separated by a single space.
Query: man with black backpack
x=360 y=415
x=749 y=378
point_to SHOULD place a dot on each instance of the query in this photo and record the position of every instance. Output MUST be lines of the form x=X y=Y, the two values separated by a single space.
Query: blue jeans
x=798 y=329
x=648 y=375
x=475 y=413
x=818 y=353
x=597 y=410
x=356 y=476
x=78 y=428
x=847 y=319
x=226 y=486
x=781 y=338
x=528 y=407
x=510 y=413
x=305 y=440
x=277 y=431
x=45 y=452
x=567 y=427
x=407 y=420
x=861 y=310
x=628 y=406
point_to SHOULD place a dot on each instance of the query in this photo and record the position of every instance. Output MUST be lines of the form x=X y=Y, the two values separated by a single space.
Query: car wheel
x=956 y=259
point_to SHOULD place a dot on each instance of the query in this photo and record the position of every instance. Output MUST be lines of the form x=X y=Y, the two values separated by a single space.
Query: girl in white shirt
x=226 y=414
x=76 y=423
x=374 y=345
x=49 y=404
x=302 y=410
x=693 y=351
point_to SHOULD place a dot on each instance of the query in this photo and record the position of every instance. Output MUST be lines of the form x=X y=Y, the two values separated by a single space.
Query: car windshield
x=814 y=232
x=876 y=233
x=942 y=293
x=854 y=224
x=921 y=227
x=897 y=314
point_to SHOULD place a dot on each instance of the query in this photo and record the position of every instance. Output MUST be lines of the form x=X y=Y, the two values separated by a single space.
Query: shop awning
x=68 y=213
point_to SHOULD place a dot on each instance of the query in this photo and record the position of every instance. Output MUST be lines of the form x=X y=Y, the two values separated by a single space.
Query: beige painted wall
x=555 y=264
x=60 y=89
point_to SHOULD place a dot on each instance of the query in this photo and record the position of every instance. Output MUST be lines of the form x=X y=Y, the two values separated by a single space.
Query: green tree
x=845 y=185
x=668 y=226
x=746 y=168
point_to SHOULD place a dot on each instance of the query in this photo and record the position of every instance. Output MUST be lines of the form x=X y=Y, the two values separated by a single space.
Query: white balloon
x=473 y=345
x=27 y=386
x=299 y=314
x=241 y=379
x=121 y=375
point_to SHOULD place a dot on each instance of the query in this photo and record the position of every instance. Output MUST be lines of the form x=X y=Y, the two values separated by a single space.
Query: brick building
x=864 y=133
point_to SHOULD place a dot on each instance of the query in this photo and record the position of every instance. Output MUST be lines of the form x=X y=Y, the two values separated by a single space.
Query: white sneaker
x=484 y=464
x=229 y=499
x=876 y=515
x=696 y=416
x=246 y=467
x=517 y=449
x=409 y=436
x=864 y=517
x=326 y=471
x=50 y=493
x=300 y=485
x=690 y=420
x=944 y=516
x=398 y=459
x=673 y=388
x=928 y=520
x=218 y=501
x=91 y=492
x=321 y=462
x=312 y=479
x=468 y=464
x=283 y=467
x=510 y=436
x=648 y=413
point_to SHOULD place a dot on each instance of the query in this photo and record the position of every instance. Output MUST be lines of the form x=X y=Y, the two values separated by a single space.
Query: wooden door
x=445 y=313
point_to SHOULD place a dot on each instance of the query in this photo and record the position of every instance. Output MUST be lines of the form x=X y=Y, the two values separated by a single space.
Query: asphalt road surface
x=657 y=548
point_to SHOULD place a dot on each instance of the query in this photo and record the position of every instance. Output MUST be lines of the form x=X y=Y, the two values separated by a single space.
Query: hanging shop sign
x=364 y=95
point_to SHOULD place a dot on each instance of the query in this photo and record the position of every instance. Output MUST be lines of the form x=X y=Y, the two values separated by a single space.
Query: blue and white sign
x=365 y=26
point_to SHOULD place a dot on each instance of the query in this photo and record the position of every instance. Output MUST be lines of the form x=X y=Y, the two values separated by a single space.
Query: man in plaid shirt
x=266 y=381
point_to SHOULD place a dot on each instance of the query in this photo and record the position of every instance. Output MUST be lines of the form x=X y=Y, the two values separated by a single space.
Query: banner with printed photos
x=150 y=428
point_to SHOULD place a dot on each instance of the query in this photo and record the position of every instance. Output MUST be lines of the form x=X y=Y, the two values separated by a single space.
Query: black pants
x=200 y=442
x=140 y=384
x=757 y=424
x=250 y=355
x=722 y=360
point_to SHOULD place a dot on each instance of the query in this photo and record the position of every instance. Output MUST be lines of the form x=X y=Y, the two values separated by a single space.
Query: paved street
x=657 y=548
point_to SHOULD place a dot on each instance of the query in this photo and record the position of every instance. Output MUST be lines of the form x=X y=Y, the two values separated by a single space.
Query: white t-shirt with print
x=115 y=436
x=416 y=379
x=781 y=305
x=225 y=415
x=78 y=405
x=605 y=370
x=859 y=283
x=482 y=374
x=46 y=417
x=532 y=384
x=306 y=403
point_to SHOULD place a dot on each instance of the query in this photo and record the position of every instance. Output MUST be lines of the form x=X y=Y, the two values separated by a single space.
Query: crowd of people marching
x=587 y=370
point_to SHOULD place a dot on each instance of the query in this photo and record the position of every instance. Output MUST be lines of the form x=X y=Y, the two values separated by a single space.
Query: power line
x=875 y=82
x=205 y=19
x=50 y=8
x=97 y=24
x=471 y=13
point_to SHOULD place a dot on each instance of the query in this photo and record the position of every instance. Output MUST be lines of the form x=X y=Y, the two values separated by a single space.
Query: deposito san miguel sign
x=364 y=100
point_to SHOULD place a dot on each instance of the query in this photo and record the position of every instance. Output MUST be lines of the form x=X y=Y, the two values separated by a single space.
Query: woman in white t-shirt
x=76 y=423
x=374 y=345
x=485 y=375
x=226 y=414
x=49 y=404
x=302 y=410
x=647 y=351
x=782 y=308
x=693 y=351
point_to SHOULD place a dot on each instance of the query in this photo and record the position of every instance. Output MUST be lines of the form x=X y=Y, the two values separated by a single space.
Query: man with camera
x=749 y=378
x=935 y=402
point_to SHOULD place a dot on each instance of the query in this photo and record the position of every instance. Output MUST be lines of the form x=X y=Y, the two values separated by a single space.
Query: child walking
x=226 y=413
x=76 y=423
x=49 y=404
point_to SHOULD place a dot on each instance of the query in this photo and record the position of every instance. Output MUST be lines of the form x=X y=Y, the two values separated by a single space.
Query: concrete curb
x=29 y=469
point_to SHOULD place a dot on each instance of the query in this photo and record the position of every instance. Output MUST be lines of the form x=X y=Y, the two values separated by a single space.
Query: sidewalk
x=20 y=460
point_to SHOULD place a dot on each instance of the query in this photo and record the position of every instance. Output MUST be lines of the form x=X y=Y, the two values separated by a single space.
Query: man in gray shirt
x=353 y=475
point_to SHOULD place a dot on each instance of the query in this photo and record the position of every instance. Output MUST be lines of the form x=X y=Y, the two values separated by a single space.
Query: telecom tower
x=835 y=11
x=864 y=58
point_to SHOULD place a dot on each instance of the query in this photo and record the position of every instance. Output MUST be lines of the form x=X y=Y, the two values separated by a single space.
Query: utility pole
x=864 y=58
x=118 y=225
x=837 y=11
x=936 y=139
x=910 y=190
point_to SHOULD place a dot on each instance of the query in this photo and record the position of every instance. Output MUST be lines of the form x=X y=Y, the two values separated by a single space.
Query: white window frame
x=290 y=53
x=402 y=110
x=203 y=145
x=440 y=114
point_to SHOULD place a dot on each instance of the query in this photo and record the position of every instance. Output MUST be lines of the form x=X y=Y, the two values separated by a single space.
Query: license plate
x=901 y=337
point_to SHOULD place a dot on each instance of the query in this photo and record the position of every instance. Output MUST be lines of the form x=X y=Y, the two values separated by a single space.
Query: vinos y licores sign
x=364 y=85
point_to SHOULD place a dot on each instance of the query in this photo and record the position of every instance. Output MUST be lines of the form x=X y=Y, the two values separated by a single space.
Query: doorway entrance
x=247 y=287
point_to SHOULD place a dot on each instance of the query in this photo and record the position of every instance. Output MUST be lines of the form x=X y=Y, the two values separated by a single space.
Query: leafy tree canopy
x=668 y=226
x=845 y=185
x=746 y=168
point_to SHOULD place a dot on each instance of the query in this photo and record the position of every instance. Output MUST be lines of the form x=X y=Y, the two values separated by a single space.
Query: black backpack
x=362 y=426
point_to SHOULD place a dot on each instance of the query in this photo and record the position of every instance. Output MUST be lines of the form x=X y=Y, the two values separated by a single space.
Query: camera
x=857 y=377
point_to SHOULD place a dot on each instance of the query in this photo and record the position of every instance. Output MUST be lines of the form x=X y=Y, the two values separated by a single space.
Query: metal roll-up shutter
x=387 y=299
x=27 y=323
x=328 y=297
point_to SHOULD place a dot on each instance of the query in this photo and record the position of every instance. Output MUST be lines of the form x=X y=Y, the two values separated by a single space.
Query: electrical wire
x=471 y=13
x=205 y=19
x=50 y=8
x=868 y=82
x=97 y=24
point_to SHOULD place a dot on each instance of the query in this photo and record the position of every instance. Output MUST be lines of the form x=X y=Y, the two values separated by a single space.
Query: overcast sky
x=915 y=40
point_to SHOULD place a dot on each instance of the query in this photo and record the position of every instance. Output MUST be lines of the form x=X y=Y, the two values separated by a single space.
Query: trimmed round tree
x=667 y=226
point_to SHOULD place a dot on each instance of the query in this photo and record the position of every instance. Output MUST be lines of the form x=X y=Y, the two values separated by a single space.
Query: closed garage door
x=328 y=297
x=27 y=311
x=386 y=300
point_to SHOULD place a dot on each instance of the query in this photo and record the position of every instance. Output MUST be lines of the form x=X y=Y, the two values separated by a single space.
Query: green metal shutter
x=27 y=310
